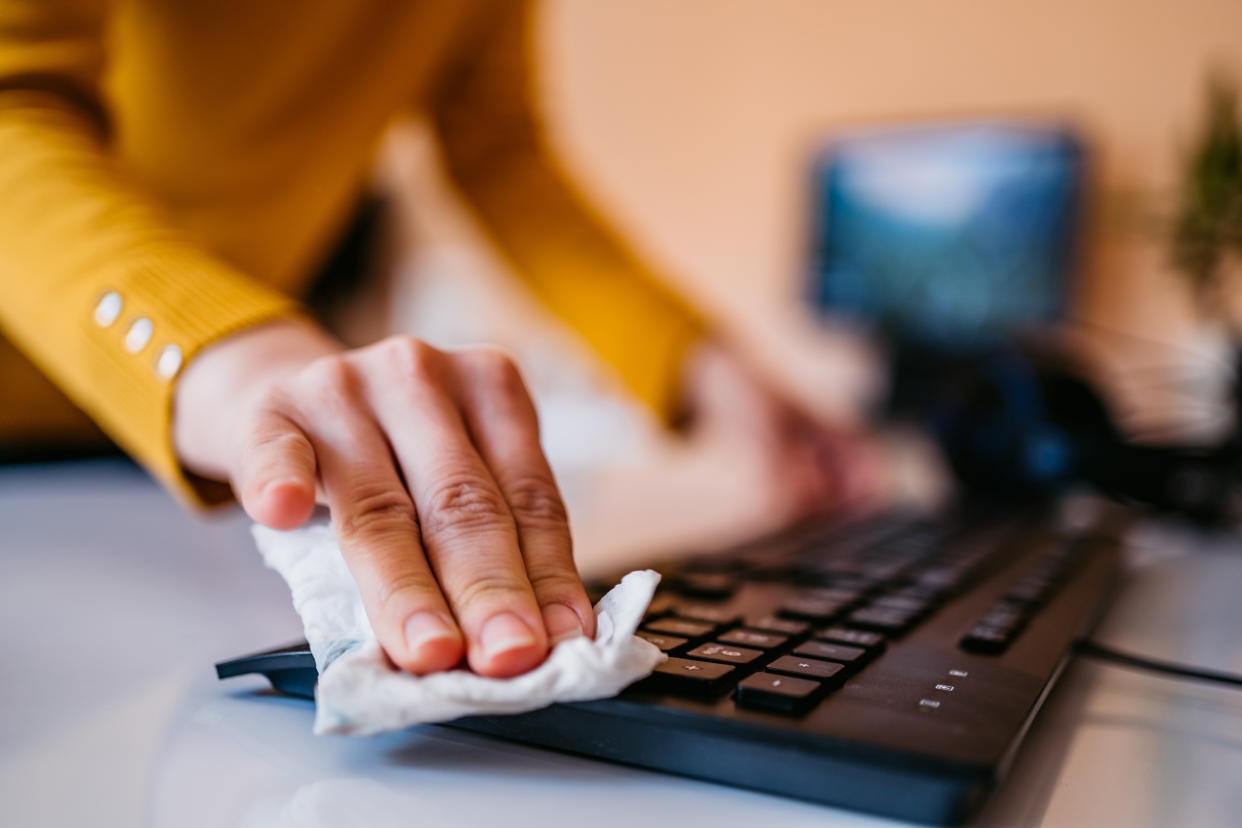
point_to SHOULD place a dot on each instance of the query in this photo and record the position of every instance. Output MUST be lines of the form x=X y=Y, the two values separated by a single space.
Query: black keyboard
x=890 y=664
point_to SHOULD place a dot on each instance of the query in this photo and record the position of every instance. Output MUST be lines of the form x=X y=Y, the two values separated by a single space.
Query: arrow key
x=783 y=694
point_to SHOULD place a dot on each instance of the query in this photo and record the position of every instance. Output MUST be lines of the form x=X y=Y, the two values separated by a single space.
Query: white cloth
x=361 y=693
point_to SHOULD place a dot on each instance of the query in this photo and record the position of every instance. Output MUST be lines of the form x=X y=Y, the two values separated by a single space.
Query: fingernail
x=422 y=627
x=504 y=632
x=561 y=622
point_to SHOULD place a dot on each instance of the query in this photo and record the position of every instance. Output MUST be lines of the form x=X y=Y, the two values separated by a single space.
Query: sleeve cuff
x=139 y=333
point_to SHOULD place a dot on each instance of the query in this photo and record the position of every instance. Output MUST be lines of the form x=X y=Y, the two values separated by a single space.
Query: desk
x=110 y=713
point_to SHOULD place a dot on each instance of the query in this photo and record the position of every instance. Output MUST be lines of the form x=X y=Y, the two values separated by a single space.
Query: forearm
x=489 y=119
x=584 y=272
x=74 y=229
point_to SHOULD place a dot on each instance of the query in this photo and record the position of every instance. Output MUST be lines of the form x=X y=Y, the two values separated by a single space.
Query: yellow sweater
x=188 y=160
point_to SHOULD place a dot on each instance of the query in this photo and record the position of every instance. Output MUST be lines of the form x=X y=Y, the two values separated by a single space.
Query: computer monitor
x=947 y=236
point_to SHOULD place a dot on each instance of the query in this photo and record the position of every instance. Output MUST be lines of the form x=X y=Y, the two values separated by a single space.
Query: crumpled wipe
x=361 y=693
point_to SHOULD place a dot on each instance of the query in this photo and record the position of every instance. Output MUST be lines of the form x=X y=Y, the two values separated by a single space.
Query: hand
x=429 y=461
x=800 y=464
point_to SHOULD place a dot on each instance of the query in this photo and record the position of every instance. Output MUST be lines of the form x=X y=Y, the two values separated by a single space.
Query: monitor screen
x=947 y=236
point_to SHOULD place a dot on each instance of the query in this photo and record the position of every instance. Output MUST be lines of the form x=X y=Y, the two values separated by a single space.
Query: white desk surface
x=114 y=604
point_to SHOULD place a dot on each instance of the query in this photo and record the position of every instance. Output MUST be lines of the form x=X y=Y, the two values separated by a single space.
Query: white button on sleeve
x=169 y=362
x=139 y=335
x=108 y=309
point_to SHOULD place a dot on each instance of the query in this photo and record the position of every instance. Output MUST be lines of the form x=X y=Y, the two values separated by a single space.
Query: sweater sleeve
x=487 y=114
x=101 y=290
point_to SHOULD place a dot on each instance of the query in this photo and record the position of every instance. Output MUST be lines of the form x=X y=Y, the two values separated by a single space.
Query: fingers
x=446 y=510
x=502 y=419
x=812 y=473
x=467 y=529
x=377 y=527
x=276 y=476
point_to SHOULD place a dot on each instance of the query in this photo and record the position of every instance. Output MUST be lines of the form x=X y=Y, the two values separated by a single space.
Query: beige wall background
x=691 y=120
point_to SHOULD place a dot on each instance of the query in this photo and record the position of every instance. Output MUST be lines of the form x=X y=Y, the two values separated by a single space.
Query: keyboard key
x=754 y=638
x=686 y=677
x=839 y=596
x=830 y=672
x=783 y=694
x=986 y=640
x=660 y=605
x=681 y=627
x=811 y=609
x=712 y=586
x=888 y=621
x=883 y=571
x=700 y=612
x=854 y=584
x=666 y=643
x=923 y=592
x=915 y=606
x=1003 y=616
x=868 y=640
x=784 y=626
x=726 y=653
x=832 y=652
x=943 y=577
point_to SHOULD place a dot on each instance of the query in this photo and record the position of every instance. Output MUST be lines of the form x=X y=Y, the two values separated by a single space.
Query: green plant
x=1209 y=220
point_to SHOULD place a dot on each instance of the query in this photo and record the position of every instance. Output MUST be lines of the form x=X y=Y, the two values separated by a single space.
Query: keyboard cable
x=1185 y=671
